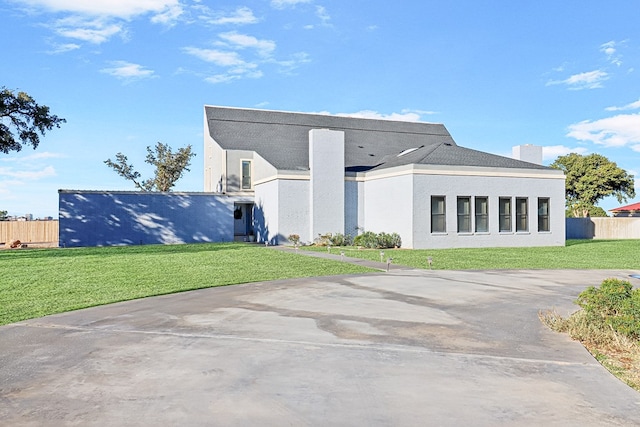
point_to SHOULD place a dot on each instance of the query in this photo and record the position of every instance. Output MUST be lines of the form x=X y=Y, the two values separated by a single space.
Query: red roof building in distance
x=629 y=210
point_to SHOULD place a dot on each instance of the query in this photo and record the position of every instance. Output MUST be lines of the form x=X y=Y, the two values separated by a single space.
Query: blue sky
x=129 y=73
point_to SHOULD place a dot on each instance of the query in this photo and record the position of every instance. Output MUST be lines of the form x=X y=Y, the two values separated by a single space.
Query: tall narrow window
x=482 y=215
x=522 y=214
x=543 y=214
x=246 y=174
x=505 y=214
x=464 y=214
x=438 y=216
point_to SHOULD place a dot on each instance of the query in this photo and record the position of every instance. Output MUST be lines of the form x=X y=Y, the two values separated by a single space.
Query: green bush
x=614 y=304
x=383 y=240
x=330 y=239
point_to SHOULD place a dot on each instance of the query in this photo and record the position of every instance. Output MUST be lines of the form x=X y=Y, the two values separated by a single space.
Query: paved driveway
x=402 y=348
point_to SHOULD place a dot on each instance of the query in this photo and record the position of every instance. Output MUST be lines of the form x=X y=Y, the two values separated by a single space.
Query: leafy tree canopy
x=169 y=167
x=591 y=178
x=3 y=215
x=20 y=114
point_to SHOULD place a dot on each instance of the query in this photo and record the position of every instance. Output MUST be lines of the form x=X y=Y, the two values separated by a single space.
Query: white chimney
x=527 y=153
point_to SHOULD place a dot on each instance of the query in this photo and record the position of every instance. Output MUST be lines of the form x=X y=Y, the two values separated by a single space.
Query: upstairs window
x=246 y=175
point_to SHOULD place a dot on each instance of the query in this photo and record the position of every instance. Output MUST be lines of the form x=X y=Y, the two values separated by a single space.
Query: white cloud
x=95 y=31
x=32 y=175
x=125 y=9
x=241 y=41
x=35 y=156
x=127 y=71
x=241 y=16
x=281 y=4
x=404 y=116
x=321 y=13
x=610 y=49
x=218 y=57
x=587 y=80
x=63 y=48
x=551 y=152
x=616 y=131
x=631 y=106
x=96 y=21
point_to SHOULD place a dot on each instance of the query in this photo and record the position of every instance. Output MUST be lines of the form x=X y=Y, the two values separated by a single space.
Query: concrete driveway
x=403 y=348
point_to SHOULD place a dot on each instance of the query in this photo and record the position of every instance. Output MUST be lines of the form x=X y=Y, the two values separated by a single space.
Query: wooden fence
x=29 y=231
x=603 y=228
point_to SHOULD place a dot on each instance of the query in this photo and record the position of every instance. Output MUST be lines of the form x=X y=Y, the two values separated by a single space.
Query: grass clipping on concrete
x=39 y=282
x=608 y=325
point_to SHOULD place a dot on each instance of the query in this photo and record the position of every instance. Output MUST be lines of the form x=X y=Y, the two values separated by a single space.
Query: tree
x=169 y=167
x=21 y=114
x=591 y=178
x=3 y=215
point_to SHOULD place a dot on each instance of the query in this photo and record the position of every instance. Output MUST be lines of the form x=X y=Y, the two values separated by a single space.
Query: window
x=438 y=217
x=504 y=206
x=522 y=214
x=246 y=175
x=482 y=215
x=464 y=214
x=543 y=214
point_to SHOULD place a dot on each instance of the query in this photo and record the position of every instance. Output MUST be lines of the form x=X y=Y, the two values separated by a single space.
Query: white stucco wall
x=388 y=204
x=493 y=187
x=326 y=185
x=281 y=209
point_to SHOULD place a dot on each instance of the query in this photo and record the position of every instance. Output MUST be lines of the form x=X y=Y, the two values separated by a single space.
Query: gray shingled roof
x=283 y=140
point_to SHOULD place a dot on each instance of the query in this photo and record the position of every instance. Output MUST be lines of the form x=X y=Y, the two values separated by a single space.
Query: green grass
x=38 y=282
x=577 y=254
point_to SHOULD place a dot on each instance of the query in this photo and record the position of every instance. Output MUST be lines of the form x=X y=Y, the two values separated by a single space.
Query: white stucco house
x=311 y=174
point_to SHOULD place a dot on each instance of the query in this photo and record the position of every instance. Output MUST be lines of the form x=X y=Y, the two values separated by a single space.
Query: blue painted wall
x=96 y=218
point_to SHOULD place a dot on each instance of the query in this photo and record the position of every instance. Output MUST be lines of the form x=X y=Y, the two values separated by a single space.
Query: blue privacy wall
x=101 y=218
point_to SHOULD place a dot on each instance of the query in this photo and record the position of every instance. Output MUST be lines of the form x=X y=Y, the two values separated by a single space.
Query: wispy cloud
x=616 y=131
x=97 y=21
x=242 y=41
x=242 y=55
x=631 y=106
x=588 y=80
x=108 y=8
x=241 y=16
x=323 y=15
x=405 y=115
x=63 y=48
x=551 y=152
x=30 y=175
x=610 y=50
x=35 y=156
x=281 y=4
x=94 y=30
x=127 y=71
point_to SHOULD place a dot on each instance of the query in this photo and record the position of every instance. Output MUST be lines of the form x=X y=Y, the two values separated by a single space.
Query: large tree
x=169 y=167
x=591 y=178
x=21 y=114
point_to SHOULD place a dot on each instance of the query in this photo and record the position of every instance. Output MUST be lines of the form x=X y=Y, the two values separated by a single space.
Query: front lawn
x=38 y=282
x=577 y=254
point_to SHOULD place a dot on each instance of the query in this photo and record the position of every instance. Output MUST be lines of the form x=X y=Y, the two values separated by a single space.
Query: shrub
x=383 y=240
x=294 y=238
x=614 y=304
